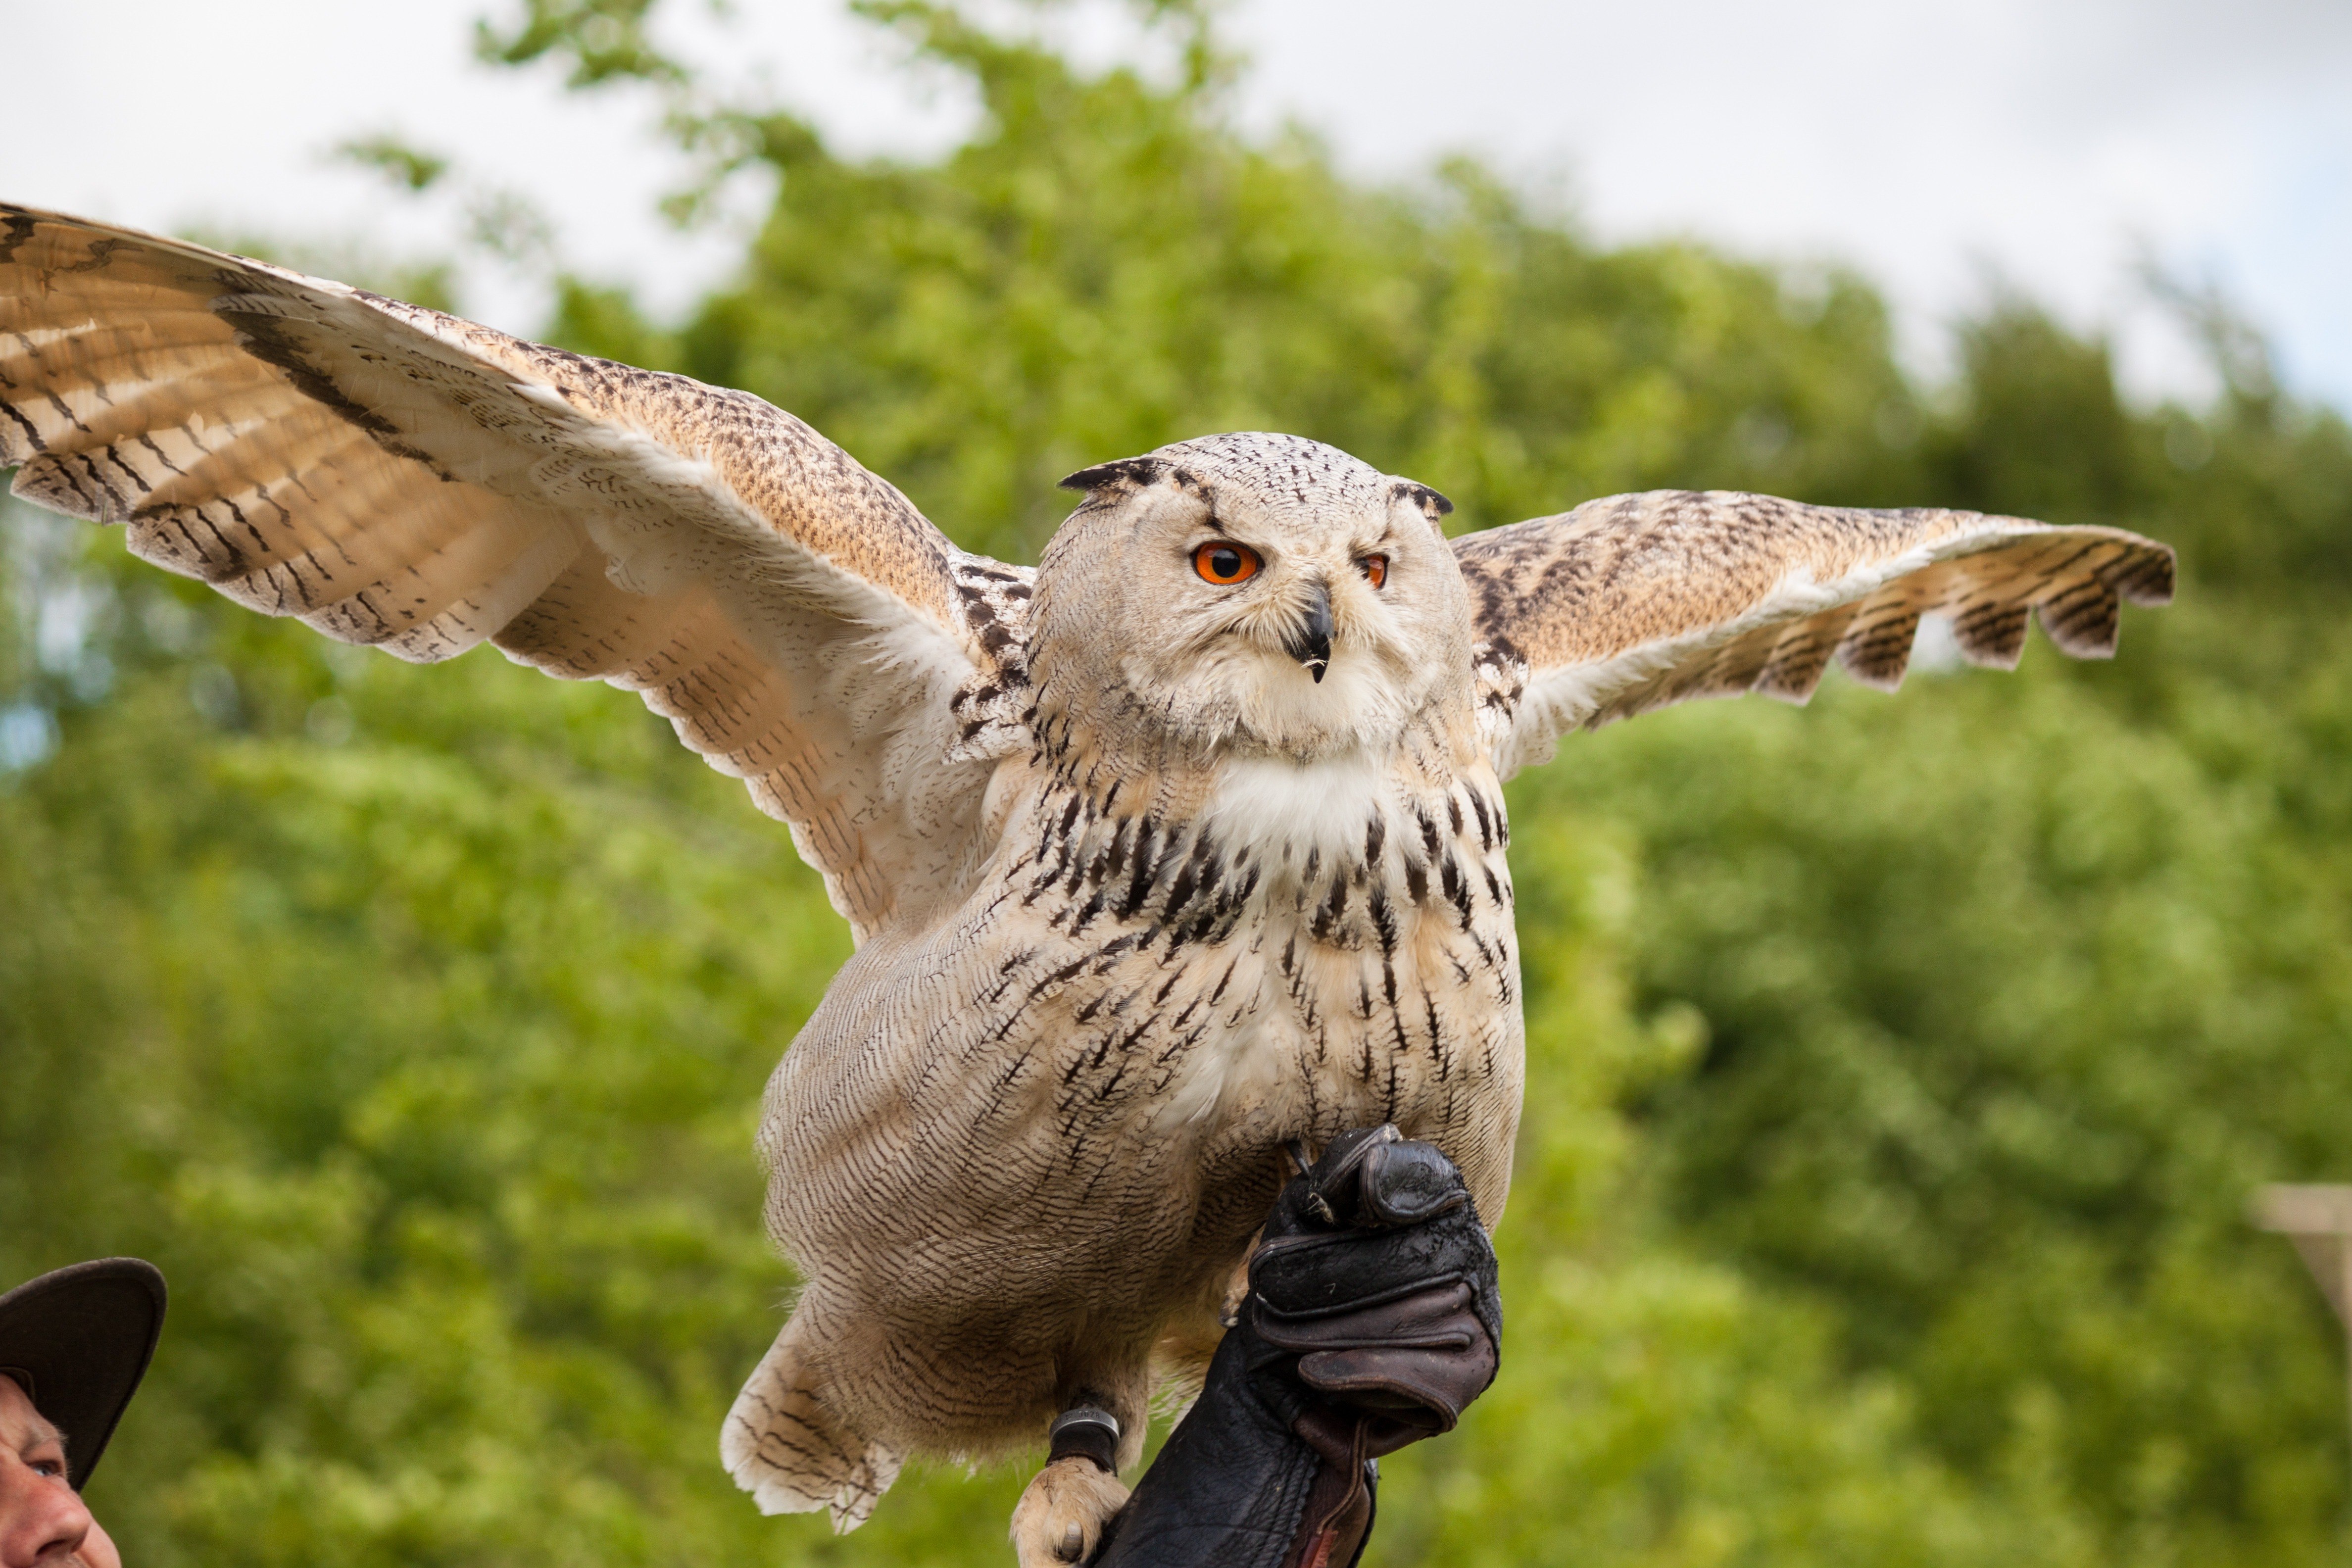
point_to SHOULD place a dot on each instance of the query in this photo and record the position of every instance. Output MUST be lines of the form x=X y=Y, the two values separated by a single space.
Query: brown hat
x=78 y=1341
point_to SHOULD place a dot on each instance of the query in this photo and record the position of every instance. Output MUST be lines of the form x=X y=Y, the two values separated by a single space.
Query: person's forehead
x=21 y=1425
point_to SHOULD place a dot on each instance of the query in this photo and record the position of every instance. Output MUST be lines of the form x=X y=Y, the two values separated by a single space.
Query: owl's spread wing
x=396 y=476
x=1638 y=601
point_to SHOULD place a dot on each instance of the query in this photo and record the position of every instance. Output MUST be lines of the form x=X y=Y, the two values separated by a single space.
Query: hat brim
x=79 y=1339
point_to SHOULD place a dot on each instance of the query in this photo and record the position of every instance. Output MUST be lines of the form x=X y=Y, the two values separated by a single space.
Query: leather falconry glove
x=1372 y=1320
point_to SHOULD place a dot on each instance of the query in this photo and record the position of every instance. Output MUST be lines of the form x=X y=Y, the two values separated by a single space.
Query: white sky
x=1936 y=145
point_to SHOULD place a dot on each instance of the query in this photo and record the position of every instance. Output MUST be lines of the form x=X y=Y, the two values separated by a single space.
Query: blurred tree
x=1898 y=1069
x=2016 y=987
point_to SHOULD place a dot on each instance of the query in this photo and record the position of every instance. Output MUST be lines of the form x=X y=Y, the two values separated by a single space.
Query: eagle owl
x=1187 y=843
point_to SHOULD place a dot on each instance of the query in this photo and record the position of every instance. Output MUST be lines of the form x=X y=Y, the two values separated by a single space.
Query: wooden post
x=2318 y=1220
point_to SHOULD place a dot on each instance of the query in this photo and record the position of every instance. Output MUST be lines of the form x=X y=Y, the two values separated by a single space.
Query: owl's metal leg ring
x=1085 y=1430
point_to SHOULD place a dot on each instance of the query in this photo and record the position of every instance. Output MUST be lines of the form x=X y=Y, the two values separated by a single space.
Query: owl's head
x=1251 y=592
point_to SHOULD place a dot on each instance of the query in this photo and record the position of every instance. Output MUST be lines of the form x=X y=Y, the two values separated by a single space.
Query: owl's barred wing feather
x=396 y=476
x=1639 y=601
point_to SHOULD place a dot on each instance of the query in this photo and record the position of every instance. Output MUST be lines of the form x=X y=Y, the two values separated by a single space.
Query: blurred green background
x=1901 y=1068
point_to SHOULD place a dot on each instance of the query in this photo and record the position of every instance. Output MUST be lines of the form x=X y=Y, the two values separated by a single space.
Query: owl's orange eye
x=1375 y=569
x=1225 y=564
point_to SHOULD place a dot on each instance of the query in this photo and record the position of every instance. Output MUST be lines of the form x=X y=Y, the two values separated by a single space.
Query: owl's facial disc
x=1305 y=605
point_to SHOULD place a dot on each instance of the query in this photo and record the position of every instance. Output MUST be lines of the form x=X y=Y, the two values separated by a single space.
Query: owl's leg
x=1061 y=1515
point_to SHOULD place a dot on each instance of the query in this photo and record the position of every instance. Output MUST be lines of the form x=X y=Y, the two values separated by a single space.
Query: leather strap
x=1339 y=1515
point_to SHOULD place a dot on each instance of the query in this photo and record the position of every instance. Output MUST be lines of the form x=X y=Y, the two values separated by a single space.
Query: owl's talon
x=1061 y=1515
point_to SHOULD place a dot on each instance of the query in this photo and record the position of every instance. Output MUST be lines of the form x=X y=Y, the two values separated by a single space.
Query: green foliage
x=395 y=160
x=1899 y=1068
x=1106 y=268
x=605 y=40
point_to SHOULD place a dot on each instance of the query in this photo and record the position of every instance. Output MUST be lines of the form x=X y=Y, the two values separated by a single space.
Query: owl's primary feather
x=1152 y=868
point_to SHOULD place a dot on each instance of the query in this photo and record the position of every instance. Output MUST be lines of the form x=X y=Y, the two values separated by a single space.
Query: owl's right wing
x=399 y=478
x=1639 y=601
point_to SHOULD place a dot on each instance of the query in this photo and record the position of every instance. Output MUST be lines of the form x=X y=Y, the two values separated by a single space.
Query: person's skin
x=43 y=1523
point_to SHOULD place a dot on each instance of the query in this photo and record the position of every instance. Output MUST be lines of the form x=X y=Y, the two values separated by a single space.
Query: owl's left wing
x=402 y=479
x=1635 y=602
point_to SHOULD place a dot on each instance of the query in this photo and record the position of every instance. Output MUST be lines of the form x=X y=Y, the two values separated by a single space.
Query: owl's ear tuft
x=1136 y=471
x=1432 y=505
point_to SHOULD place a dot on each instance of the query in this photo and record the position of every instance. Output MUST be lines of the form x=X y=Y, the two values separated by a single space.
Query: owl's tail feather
x=791 y=1453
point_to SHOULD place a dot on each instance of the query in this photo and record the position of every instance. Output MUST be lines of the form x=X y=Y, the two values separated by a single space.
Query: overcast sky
x=1938 y=145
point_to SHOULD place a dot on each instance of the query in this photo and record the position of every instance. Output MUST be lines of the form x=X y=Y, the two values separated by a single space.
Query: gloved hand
x=1372 y=1320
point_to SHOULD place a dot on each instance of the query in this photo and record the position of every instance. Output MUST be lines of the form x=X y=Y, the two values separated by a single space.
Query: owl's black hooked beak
x=1311 y=643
